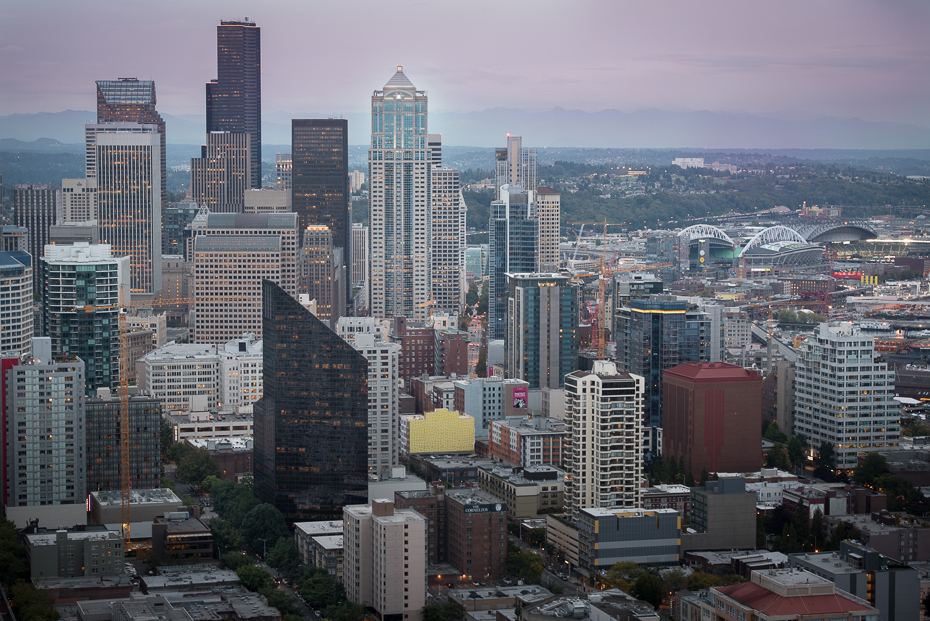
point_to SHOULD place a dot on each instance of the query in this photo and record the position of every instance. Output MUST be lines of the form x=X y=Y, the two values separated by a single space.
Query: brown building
x=677 y=497
x=526 y=442
x=451 y=353
x=431 y=505
x=476 y=534
x=712 y=417
x=418 y=348
x=180 y=536
x=232 y=456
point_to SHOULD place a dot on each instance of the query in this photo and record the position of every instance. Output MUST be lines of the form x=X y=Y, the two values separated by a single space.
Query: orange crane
x=123 y=306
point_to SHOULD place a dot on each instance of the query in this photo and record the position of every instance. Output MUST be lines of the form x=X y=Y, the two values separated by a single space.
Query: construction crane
x=124 y=426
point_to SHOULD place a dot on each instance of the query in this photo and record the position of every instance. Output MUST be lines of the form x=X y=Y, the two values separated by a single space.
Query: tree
x=704 y=475
x=650 y=589
x=700 y=580
x=622 y=575
x=196 y=465
x=537 y=536
x=777 y=458
x=283 y=556
x=775 y=434
x=12 y=554
x=483 y=299
x=481 y=367
x=817 y=527
x=254 y=578
x=226 y=537
x=442 y=612
x=231 y=501
x=167 y=437
x=826 y=455
x=346 y=611
x=166 y=482
x=177 y=450
x=234 y=560
x=674 y=580
x=263 y=522
x=795 y=450
x=471 y=298
x=32 y=603
x=527 y=566
x=689 y=480
x=869 y=469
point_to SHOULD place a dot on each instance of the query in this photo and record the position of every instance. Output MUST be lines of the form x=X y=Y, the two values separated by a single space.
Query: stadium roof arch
x=707 y=232
x=772 y=235
x=833 y=232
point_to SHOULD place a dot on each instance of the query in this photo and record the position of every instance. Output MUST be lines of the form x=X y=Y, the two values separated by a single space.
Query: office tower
x=447 y=263
x=175 y=224
x=46 y=462
x=654 y=334
x=130 y=100
x=320 y=175
x=78 y=200
x=604 y=453
x=241 y=367
x=398 y=173
x=321 y=275
x=267 y=200
x=541 y=337
x=359 y=255
x=848 y=403
x=74 y=232
x=311 y=424
x=712 y=417
x=549 y=213
x=232 y=254
x=377 y=540
x=35 y=209
x=103 y=442
x=475 y=264
x=168 y=375
x=383 y=399
x=513 y=240
x=487 y=399
x=282 y=171
x=16 y=314
x=515 y=165
x=222 y=173
x=356 y=181
x=123 y=158
x=434 y=145
x=80 y=307
x=13 y=238
x=234 y=98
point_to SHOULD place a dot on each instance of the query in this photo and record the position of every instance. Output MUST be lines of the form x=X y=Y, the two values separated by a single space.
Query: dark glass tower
x=320 y=178
x=234 y=98
x=311 y=424
x=130 y=100
x=513 y=241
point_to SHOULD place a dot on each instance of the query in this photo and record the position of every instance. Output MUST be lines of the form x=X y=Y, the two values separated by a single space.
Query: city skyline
x=832 y=58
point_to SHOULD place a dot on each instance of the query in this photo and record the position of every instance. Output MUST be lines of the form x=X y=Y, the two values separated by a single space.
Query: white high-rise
x=843 y=395
x=447 y=241
x=78 y=200
x=399 y=200
x=125 y=160
x=515 y=165
x=604 y=452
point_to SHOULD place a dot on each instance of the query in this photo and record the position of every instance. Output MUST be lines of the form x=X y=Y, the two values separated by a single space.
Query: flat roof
x=329 y=542
x=314 y=529
x=621 y=512
x=143 y=496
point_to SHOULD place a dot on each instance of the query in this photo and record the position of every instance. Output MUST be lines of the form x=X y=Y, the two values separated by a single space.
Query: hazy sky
x=836 y=57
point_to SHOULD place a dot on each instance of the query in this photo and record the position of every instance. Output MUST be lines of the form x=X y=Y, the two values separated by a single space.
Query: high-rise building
x=604 y=452
x=104 y=457
x=311 y=424
x=81 y=291
x=175 y=223
x=359 y=255
x=282 y=171
x=513 y=242
x=16 y=307
x=241 y=370
x=712 y=417
x=654 y=334
x=356 y=181
x=399 y=200
x=549 y=213
x=267 y=200
x=13 y=238
x=123 y=158
x=35 y=209
x=848 y=402
x=476 y=262
x=447 y=263
x=222 y=173
x=321 y=275
x=234 y=98
x=320 y=177
x=45 y=402
x=482 y=555
x=377 y=541
x=78 y=200
x=130 y=100
x=541 y=335
x=487 y=399
x=515 y=165
x=232 y=254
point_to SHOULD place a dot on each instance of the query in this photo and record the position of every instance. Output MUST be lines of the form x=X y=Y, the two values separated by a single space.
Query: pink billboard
x=520 y=397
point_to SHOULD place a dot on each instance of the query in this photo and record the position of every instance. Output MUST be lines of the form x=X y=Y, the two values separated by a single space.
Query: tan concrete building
x=528 y=491
x=385 y=559
x=548 y=211
x=267 y=201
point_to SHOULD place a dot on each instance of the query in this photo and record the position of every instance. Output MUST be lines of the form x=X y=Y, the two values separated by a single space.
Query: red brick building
x=451 y=353
x=527 y=442
x=712 y=417
x=418 y=348
x=476 y=534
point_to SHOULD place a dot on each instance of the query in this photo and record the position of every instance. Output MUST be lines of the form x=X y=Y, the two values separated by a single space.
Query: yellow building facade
x=440 y=431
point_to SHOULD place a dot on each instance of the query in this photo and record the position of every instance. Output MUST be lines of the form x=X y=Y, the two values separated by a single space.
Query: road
x=570 y=587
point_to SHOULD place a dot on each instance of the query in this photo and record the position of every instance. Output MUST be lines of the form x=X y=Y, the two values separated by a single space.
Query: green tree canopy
x=254 y=578
x=442 y=612
x=196 y=465
x=622 y=575
x=826 y=455
x=31 y=603
x=796 y=450
x=234 y=560
x=283 y=556
x=649 y=588
x=178 y=450
x=777 y=458
x=263 y=522
x=869 y=469
x=12 y=554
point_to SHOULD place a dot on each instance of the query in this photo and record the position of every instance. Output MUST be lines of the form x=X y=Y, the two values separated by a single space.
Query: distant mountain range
x=552 y=128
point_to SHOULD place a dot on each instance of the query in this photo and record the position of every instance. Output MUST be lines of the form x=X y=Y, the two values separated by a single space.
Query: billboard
x=520 y=397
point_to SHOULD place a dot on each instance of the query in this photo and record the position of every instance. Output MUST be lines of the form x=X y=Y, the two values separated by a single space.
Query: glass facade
x=174 y=225
x=320 y=177
x=513 y=239
x=103 y=443
x=311 y=424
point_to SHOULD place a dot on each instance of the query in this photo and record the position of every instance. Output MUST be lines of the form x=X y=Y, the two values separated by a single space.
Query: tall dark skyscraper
x=130 y=100
x=234 y=98
x=320 y=177
x=311 y=424
x=35 y=209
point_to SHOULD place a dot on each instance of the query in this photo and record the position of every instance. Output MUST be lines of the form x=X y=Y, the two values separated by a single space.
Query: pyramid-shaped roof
x=400 y=81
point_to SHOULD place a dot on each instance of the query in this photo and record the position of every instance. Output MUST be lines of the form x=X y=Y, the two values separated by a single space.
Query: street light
x=264 y=549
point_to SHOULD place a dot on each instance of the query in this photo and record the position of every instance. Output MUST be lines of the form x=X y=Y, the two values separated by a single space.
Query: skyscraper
x=130 y=100
x=16 y=314
x=399 y=200
x=234 y=98
x=320 y=176
x=311 y=424
x=104 y=462
x=515 y=165
x=35 y=209
x=123 y=158
x=359 y=255
x=447 y=245
x=220 y=177
x=513 y=240
x=78 y=200
x=548 y=211
x=541 y=336
x=282 y=171
x=320 y=275
x=75 y=279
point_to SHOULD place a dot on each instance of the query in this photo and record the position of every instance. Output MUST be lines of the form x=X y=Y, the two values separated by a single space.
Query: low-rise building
x=70 y=552
x=204 y=425
x=741 y=563
x=723 y=517
x=526 y=442
x=228 y=603
x=677 y=497
x=897 y=538
x=439 y=431
x=610 y=536
x=232 y=456
x=178 y=536
x=455 y=471
x=562 y=536
x=491 y=398
x=528 y=492
x=144 y=505
x=476 y=534
x=304 y=532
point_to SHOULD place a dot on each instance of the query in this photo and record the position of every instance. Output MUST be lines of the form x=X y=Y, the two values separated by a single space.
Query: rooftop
x=329 y=542
x=313 y=529
x=713 y=371
x=142 y=496
x=49 y=537
x=777 y=593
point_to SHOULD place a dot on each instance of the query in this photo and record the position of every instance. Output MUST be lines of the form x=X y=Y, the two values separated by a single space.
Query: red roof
x=545 y=190
x=712 y=372
x=772 y=604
